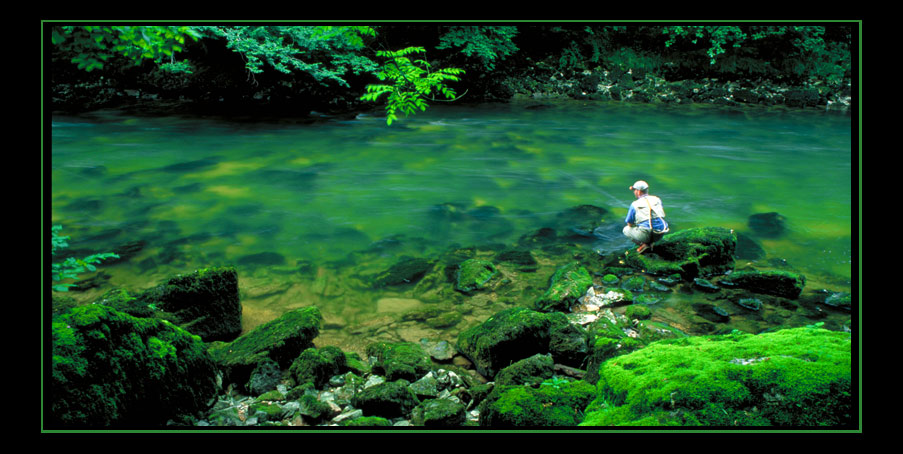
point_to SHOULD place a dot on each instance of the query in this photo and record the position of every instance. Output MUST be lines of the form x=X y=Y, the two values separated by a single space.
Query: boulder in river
x=691 y=253
x=778 y=283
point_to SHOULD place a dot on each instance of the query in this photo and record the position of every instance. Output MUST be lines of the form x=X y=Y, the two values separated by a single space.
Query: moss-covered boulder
x=508 y=336
x=797 y=377
x=318 y=365
x=280 y=340
x=690 y=253
x=778 y=283
x=113 y=370
x=528 y=371
x=390 y=399
x=569 y=283
x=399 y=360
x=439 y=413
x=473 y=275
x=205 y=302
x=555 y=403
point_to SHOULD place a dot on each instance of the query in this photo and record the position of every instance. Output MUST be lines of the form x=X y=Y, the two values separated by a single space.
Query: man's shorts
x=641 y=235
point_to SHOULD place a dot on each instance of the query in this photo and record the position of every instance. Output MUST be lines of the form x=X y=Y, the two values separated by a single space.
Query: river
x=272 y=197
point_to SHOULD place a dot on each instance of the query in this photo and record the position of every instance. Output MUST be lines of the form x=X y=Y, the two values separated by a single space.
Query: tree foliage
x=326 y=53
x=485 y=44
x=93 y=46
x=412 y=83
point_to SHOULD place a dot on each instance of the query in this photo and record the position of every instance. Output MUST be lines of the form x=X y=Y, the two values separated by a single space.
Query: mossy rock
x=569 y=283
x=638 y=311
x=528 y=371
x=318 y=365
x=777 y=283
x=690 y=253
x=556 y=404
x=439 y=413
x=110 y=370
x=399 y=360
x=280 y=340
x=798 y=377
x=389 y=399
x=121 y=300
x=205 y=302
x=367 y=421
x=474 y=274
x=509 y=335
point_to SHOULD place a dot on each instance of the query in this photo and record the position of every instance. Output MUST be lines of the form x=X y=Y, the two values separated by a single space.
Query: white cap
x=641 y=185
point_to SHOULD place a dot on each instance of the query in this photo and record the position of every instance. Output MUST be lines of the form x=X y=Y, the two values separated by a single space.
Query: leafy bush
x=412 y=83
x=71 y=267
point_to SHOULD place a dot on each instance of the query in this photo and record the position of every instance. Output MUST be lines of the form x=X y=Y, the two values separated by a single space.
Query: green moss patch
x=793 y=377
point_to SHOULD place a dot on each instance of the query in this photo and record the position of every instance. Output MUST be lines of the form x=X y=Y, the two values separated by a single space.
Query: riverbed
x=306 y=211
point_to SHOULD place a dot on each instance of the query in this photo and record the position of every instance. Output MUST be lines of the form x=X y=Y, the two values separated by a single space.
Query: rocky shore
x=589 y=348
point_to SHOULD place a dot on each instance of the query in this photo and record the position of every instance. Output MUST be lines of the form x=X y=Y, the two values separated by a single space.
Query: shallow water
x=342 y=199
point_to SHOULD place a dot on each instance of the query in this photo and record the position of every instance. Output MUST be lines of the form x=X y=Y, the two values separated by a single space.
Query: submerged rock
x=474 y=274
x=768 y=225
x=406 y=271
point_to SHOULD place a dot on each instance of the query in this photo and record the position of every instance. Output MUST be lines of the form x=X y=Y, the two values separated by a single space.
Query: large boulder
x=112 y=370
x=205 y=302
x=508 y=336
x=281 y=340
x=691 y=253
x=798 y=377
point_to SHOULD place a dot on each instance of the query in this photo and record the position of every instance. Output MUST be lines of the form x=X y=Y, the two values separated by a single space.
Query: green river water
x=304 y=209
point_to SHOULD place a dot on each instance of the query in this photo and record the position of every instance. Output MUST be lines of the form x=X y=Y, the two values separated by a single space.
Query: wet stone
x=753 y=304
x=705 y=286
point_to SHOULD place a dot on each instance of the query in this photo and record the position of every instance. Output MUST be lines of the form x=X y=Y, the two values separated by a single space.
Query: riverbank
x=630 y=86
x=545 y=352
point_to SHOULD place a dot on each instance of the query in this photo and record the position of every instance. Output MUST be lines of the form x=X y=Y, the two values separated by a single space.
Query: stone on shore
x=281 y=340
x=112 y=370
x=508 y=336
